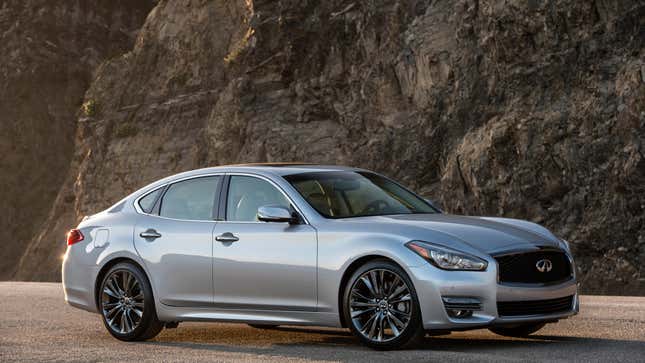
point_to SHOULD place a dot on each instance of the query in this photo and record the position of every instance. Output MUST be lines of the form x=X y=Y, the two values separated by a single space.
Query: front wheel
x=126 y=304
x=518 y=331
x=381 y=306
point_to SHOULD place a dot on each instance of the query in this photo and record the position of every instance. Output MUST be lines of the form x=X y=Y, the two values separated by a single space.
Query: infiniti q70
x=298 y=244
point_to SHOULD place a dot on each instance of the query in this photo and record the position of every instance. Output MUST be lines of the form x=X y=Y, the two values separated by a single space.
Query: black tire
x=263 y=326
x=518 y=331
x=148 y=325
x=412 y=333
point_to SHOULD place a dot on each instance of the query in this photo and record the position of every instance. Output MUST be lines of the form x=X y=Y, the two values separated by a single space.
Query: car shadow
x=336 y=344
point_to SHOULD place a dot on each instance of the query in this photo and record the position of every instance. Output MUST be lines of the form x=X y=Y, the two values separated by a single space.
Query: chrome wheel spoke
x=113 y=286
x=358 y=313
x=360 y=296
x=128 y=319
x=393 y=327
x=356 y=304
x=402 y=299
x=398 y=291
x=397 y=321
x=368 y=284
x=374 y=277
x=121 y=321
x=114 y=309
x=122 y=309
x=111 y=321
x=374 y=324
x=394 y=283
x=138 y=312
x=381 y=327
x=401 y=313
x=108 y=290
x=126 y=282
x=368 y=323
x=379 y=304
x=379 y=278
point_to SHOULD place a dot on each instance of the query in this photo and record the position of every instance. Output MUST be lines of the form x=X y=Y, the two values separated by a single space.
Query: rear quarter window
x=148 y=202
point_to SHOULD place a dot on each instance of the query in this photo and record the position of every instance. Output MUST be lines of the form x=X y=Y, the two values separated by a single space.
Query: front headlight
x=447 y=259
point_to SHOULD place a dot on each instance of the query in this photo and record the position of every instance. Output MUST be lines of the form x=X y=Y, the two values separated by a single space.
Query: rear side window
x=148 y=202
x=191 y=199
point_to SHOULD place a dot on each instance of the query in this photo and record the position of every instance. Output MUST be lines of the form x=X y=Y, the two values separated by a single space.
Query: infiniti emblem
x=544 y=265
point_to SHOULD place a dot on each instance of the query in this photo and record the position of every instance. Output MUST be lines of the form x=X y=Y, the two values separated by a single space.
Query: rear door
x=175 y=239
x=261 y=265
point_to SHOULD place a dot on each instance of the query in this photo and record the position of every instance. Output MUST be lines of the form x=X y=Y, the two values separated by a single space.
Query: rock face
x=48 y=51
x=531 y=110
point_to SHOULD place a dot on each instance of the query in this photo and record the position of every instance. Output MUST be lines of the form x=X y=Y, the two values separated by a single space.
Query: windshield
x=344 y=194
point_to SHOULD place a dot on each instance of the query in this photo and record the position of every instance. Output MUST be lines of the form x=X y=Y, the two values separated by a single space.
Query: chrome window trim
x=140 y=211
x=222 y=174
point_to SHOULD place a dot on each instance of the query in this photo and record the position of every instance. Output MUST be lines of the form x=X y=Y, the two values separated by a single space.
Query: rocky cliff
x=523 y=109
x=48 y=53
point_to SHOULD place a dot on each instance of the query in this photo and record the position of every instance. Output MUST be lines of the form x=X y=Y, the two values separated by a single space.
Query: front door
x=175 y=240
x=262 y=265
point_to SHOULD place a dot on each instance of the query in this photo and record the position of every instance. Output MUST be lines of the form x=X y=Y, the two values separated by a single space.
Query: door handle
x=227 y=237
x=150 y=234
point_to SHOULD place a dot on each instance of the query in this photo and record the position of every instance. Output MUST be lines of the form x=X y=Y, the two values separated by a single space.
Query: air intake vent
x=535 y=307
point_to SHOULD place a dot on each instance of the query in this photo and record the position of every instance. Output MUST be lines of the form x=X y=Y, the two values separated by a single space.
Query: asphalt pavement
x=37 y=325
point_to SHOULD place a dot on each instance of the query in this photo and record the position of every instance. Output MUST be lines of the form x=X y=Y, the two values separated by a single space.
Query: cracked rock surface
x=530 y=110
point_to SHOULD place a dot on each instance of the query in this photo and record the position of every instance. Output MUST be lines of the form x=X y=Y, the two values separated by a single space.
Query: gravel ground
x=37 y=325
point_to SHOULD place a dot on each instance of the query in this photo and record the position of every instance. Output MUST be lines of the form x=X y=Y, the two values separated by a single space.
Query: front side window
x=246 y=194
x=343 y=194
x=191 y=199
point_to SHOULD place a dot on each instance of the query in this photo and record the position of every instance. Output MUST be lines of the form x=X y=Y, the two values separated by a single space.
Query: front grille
x=522 y=267
x=534 y=307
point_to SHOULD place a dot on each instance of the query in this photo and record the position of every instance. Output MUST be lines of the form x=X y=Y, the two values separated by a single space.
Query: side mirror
x=436 y=205
x=274 y=213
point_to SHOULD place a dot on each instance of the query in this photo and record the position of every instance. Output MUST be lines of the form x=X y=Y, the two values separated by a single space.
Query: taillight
x=74 y=236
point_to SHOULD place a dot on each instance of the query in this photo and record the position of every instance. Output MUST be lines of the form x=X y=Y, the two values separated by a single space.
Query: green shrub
x=89 y=108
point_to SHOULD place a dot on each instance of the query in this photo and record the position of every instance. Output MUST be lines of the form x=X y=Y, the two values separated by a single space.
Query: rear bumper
x=78 y=283
x=433 y=285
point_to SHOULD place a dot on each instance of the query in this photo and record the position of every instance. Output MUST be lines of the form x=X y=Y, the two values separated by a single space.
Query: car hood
x=484 y=234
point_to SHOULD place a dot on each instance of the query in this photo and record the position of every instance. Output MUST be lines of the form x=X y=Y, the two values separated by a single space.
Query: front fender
x=338 y=251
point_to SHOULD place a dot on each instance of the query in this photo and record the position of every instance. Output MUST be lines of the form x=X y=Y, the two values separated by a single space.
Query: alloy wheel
x=380 y=305
x=122 y=301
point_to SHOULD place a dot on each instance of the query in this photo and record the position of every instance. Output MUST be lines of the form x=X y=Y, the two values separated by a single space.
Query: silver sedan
x=296 y=244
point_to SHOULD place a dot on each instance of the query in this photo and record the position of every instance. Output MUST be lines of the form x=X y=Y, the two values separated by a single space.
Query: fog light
x=461 y=307
x=460 y=314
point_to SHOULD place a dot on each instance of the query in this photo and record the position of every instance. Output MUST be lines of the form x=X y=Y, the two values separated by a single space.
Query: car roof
x=281 y=168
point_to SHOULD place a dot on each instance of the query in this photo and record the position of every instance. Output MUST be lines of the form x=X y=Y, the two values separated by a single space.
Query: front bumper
x=433 y=284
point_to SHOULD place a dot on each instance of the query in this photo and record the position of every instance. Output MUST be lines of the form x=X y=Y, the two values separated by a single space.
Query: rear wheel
x=381 y=306
x=127 y=305
x=518 y=331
